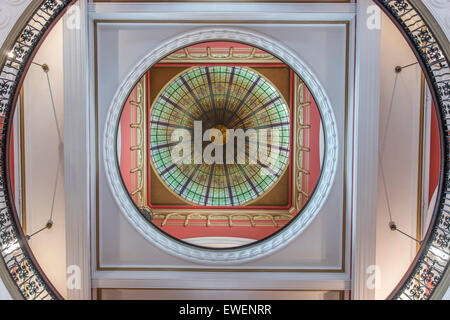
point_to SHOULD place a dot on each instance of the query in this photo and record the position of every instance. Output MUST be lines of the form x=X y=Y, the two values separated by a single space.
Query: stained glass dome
x=224 y=98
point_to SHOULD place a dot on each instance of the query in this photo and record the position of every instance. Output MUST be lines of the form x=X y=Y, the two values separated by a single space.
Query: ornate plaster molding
x=259 y=249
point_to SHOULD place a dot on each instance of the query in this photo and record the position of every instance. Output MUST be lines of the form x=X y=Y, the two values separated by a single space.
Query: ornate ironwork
x=14 y=250
x=433 y=258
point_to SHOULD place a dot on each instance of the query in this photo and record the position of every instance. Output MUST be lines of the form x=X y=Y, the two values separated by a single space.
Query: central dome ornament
x=219 y=135
x=218 y=151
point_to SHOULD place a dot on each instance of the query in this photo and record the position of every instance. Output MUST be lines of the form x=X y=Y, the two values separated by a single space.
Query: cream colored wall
x=42 y=152
x=394 y=251
x=4 y=294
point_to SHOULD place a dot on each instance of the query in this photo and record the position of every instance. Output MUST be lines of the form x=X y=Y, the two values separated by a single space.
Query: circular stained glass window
x=219 y=135
x=220 y=144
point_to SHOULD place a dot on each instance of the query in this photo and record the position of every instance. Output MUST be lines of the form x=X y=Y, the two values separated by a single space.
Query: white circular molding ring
x=259 y=248
x=4 y=16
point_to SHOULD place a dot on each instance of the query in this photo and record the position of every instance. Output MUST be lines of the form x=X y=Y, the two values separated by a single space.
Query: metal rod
x=398 y=69
x=394 y=227
x=48 y=225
